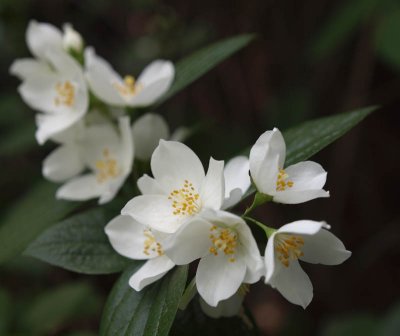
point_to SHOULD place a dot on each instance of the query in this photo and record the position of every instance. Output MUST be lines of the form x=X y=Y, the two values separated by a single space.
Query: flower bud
x=72 y=40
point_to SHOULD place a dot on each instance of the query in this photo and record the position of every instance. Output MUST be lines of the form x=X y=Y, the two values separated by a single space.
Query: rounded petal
x=324 y=248
x=154 y=81
x=147 y=132
x=234 y=197
x=236 y=175
x=29 y=68
x=266 y=177
x=306 y=175
x=269 y=259
x=226 y=308
x=101 y=78
x=212 y=191
x=150 y=272
x=173 y=162
x=126 y=148
x=218 y=279
x=63 y=163
x=42 y=36
x=294 y=284
x=111 y=188
x=180 y=134
x=299 y=196
x=81 y=188
x=149 y=186
x=128 y=237
x=302 y=227
x=154 y=211
x=189 y=243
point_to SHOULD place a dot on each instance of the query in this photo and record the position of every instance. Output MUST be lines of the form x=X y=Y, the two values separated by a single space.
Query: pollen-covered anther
x=65 y=94
x=185 y=201
x=289 y=247
x=129 y=86
x=151 y=245
x=281 y=183
x=107 y=167
x=223 y=240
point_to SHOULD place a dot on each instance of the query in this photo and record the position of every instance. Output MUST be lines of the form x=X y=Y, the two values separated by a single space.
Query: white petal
x=294 y=284
x=189 y=243
x=127 y=237
x=266 y=177
x=42 y=36
x=173 y=162
x=234 y=197
x=254 y=275
x=302 y=227
x=306 y=175
x=236 y=175
x=126 y=148
x=218 y=279
x=63 y=163
x=65 y=64
x=111 y=188
x=299 y=196
x=28 y=68
x=154 y=81
x=324 y=248
x=147 y=132
x=271 y=267
x=150 y=272
x=149 y=186
x=81 y=188
x=101 y=77
x=212 y=191
x=226 y=308
x=74 y=133
x=180 y=134
x=154 y=211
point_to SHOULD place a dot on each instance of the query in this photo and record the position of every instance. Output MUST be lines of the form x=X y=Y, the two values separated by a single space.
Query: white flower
x=108 y=155
x=228 y=253
x=179 y=190
x=298 y=183
x=225 y=308
x=136 y=241
x=237 y=180
x=111 y=88
x=303 y=240
x=148 y=130
x=72 y=40
x=53 y=84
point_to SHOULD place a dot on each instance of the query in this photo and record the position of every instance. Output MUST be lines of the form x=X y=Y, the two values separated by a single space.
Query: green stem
x=268 y=230
x=259 y=199
x=188 y=295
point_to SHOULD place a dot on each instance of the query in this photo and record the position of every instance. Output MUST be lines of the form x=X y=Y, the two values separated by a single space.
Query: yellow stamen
x=151 y=245
x=65 y=94
x=129 y=87
x=107 y=167
x=185 y=201
x=281 y=183
x=288 y=247
x=223 y=240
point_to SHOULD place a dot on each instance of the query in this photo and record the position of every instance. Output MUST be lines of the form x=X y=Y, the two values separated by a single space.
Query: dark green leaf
x=309 y=138
x=149 y=312
x=5 y=311
x=58 y=306
x=36 y=211
x=342 y=26
x=194 y=66
x=386 y=39
x=79 y=244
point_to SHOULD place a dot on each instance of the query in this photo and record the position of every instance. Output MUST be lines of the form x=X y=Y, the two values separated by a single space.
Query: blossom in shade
x=303 y=240
x=297 y=183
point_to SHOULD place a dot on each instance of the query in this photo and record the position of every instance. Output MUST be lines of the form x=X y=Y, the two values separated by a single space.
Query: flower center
x=107 y=167
x=281 y=183
x=151 y=245
x=288 y=247
x=129 y=87
x=223 y=240
x=185 y=201
x=65 y=94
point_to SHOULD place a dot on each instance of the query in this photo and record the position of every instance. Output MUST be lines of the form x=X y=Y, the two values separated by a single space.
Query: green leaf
x=32 y=214
x=386 y=39
x=149 y=312
x=356 y=325
x=342 y=26
x=196 y=65
x=19 y=139
x=309 y=138
x=79 y=244
x=5 y=311
x=58 y=306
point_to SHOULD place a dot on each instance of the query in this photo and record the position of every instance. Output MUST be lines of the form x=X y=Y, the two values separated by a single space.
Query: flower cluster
x=184 y=213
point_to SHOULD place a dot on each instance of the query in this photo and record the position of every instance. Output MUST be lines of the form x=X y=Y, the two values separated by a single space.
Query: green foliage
x=4 y=311
x=309 y=138
x=58 y=306
x=36 y=211
x=149 y=312
x=390 y=325
x=79 y=244
x=386 y=39
x=342 y=26
x=196 y=65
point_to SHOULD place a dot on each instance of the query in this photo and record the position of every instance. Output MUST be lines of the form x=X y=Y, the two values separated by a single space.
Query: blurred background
x=312 y=58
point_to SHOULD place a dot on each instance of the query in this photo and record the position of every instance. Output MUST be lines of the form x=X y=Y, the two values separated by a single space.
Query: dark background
x=312 y=58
